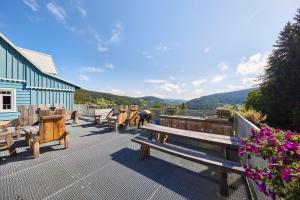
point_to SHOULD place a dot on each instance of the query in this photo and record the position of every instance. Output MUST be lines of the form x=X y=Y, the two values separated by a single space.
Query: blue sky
x=170 y=49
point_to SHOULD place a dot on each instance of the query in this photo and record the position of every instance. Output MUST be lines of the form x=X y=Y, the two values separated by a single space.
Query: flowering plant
x=281 y=150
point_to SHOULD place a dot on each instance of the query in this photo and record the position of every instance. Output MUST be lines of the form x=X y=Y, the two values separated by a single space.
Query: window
x=7 y=100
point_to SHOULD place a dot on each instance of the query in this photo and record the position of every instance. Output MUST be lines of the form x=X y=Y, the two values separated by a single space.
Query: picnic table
x=225 y=142
x=161 y=133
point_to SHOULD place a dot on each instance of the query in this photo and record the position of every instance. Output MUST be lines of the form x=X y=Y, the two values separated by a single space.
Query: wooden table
x=221 y=140
x=225 y=142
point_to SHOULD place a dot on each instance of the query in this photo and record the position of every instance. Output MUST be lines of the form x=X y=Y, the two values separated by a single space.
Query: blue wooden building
x=30 y=78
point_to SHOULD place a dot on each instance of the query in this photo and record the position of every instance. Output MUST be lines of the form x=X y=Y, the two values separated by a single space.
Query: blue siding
x=32 y=86
x=22 y=98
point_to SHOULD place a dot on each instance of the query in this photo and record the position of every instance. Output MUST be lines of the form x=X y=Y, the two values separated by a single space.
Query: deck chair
x=7 y=135
x=118 y=118
x=51 y=128
x=133 y=115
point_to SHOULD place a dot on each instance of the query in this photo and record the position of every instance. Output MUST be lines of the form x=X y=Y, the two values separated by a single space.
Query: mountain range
x=203 y=103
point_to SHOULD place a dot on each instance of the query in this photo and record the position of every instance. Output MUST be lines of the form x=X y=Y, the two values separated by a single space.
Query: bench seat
x=223 y=165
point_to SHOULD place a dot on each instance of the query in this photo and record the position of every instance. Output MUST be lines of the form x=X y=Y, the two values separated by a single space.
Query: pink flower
x=286 y=175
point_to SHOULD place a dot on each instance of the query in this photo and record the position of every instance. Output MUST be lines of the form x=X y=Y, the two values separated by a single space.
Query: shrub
x=281 y=150
x=224 y=112
x=253 y=116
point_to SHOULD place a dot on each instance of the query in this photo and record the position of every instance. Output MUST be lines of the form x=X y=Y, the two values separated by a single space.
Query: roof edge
x=16 y=48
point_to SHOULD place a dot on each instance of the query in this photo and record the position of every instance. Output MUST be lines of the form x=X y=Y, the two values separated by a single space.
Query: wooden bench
x=101 y=114
x=223 y=165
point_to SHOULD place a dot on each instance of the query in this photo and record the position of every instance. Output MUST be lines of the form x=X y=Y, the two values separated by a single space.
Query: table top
x=181 y=117
x=221 y=140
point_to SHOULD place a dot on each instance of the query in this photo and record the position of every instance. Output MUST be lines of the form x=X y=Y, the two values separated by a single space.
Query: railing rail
x=242 y=130
x=88 y=110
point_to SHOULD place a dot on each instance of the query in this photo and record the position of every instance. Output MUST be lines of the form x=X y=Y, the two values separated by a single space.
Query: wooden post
x=145 y=151
x=224 y=176
x=11 y=146
x=67 y=139
x=36 y=147
x=223 y=183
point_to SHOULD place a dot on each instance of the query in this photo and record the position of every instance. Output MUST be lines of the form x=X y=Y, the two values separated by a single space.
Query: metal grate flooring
x=102 y=164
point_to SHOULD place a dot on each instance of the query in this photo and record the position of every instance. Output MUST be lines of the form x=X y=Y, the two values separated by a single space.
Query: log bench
x=35 y=141
x=224 y=166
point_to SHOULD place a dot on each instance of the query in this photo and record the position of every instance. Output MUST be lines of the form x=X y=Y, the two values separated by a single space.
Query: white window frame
x=13 y=103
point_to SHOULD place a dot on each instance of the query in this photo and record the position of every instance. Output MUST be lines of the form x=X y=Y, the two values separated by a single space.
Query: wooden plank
x=21 y=109
x=31 y=113
x=225 y=165
x=198 y=136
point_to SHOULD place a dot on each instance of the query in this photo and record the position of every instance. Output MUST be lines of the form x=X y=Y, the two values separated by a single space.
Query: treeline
x=279 y=93
x=211 y=102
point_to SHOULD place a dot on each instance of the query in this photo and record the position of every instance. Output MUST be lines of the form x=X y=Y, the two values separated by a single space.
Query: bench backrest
x=133 y=112
x=103 y=112
x=51 y=126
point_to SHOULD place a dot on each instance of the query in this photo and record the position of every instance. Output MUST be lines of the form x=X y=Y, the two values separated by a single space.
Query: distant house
x=29 y=78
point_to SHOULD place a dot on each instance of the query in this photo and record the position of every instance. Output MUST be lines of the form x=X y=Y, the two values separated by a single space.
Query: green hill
x=203 y=103
x=90 y=97
x=210 y=102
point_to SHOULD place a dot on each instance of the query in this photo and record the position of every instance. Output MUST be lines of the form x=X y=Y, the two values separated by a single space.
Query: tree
x=183 y=106
x=280 y=88
x=254 y=100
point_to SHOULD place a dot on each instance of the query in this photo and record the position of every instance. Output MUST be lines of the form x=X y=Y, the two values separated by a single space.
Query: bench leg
x=145 y=151
x=224 y=183
x=27 y=137
x=67 y=141
x=36 y=148
x=11 y=146
x=116 y=127
x=62 y=141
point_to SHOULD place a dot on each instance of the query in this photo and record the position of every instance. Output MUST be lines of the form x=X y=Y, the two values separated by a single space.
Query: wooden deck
x=101 y=164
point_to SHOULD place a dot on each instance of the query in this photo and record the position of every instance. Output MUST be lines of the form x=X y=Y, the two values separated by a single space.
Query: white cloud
x=147 y=55
x=250 y=81
x=84 y=78
x=116 y=32
x=91 y=69
x=32 y=4
x=58 y=12
x=253 y=65
x=158 y=95
x=109 y=66
x=103 y=45
x=117 y=91
x=232 y=87
x=170 y=87
x=161 y=47
x=206 y=50
x=172 y=77
x=199 y=82
x=198 y=91
x=155 y=81
x=223 y=66
x=101 y=48
x=81 y=10
x=217 y=79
